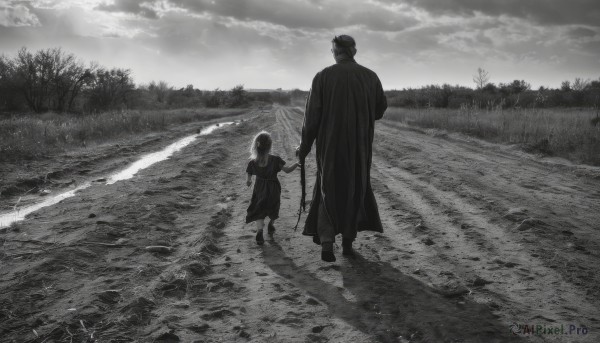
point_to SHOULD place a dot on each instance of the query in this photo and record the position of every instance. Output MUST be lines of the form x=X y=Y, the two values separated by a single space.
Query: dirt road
x=477 y=237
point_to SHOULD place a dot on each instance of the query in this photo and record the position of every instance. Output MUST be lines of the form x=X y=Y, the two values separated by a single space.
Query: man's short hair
x=344 y=44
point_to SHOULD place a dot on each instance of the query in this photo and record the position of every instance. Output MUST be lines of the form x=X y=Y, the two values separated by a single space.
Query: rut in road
x=451 y=238
x=371 y=294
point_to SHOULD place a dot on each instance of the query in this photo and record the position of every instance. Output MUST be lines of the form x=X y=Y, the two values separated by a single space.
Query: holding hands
x=290 y=168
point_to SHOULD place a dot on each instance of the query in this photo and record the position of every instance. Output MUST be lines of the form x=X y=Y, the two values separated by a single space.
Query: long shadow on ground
x=390 y=304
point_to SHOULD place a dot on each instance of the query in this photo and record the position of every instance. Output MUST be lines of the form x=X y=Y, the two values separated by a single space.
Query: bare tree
x=69 y=77
x=49 y=79
x=580 y=84
x=110 y=88
x=82 y=80
x=482 y=78
x=161 y=90
x=33 y=77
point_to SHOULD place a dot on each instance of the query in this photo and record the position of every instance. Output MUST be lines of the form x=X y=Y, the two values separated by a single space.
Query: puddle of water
x=146 y=161
x=20 y=214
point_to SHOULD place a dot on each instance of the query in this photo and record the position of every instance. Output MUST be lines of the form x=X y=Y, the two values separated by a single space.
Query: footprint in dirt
x=290 y=298
x=138 y=312
x=218 y=314
x=199 y=328
x=109 y=297
x=173 y=289
x=330 y=267
x=167 y=337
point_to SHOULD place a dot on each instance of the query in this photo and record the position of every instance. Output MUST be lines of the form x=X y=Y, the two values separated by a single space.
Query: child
x=267 y=189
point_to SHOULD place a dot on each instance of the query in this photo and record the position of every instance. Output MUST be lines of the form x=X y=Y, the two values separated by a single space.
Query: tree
x=237 y=97
x=49 y=79
x=69 y=77
x=161 y=90
x=482 y=78
x=519 y=86
x=110 y=88
x=33 y=75
x=565 y=86
x=490 y=88
x=215 y=98
x=81 y=80
x=580 y=84
x=189 y=90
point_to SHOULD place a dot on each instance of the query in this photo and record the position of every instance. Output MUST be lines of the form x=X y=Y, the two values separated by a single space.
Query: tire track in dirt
x=558 y=202
x=374 y=296
x=507 y=176
x=515 y=276
x=530 y=291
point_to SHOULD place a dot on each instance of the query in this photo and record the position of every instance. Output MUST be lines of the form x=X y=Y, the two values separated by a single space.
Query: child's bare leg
x=271 y=227
x=259 y=231
x=260 y=224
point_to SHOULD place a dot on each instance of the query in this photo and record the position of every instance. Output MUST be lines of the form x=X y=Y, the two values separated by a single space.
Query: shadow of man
x=390 y=305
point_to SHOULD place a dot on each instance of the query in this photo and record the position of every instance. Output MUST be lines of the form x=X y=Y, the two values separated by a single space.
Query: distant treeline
x=579 y=93
x=53 y=80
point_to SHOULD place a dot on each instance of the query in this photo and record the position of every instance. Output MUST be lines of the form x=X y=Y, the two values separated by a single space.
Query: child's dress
x=267 y=189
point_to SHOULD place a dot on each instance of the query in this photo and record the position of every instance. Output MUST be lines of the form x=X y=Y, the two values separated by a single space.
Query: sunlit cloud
x=263 y=43
x=16 y=14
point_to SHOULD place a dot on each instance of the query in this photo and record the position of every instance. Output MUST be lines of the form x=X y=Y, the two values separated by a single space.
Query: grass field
x=570 y=133
x=34 y=136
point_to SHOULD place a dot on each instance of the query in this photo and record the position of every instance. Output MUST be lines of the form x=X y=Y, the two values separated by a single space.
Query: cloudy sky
x=283 y=43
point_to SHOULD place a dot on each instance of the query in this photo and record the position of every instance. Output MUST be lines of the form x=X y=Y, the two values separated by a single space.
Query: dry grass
x=568 y=133
x=38 y=136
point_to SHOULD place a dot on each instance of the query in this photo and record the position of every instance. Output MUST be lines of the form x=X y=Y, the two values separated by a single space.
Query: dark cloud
x=137 y=7
x=268 y=43
x=300 y=14
x=541 y=11
x=581 y=32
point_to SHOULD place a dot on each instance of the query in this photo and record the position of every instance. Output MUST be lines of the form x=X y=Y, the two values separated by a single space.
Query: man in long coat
x=344 y=101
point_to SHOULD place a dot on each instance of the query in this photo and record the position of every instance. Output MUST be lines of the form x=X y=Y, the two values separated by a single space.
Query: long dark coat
x=344 y=101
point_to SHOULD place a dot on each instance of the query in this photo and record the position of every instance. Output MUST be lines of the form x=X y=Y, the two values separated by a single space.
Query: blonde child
x=267 y=189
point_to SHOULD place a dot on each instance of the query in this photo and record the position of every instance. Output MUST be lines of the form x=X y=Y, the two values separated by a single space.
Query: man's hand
x=248 y=183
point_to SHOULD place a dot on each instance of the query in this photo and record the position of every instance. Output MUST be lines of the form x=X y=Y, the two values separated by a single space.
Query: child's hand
x=248 y=183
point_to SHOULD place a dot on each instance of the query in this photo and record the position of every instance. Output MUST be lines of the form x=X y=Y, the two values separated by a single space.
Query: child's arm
x=249 y=180
x=290 y=168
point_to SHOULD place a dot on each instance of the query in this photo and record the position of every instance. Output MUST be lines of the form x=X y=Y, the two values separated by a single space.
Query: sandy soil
x=477 y=237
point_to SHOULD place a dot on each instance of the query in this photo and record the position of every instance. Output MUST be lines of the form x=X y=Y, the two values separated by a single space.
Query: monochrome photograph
x=410 y=171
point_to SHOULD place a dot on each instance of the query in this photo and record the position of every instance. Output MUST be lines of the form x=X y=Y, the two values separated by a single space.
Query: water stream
x=144 y=162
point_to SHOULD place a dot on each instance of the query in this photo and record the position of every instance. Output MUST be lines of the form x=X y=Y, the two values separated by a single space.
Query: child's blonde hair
x=261 y=146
